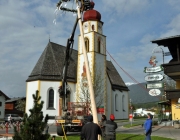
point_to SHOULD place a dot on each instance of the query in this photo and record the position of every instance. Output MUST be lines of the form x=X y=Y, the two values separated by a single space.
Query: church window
x=0 y=103
x=93 y=27
x=116 y=102
x=99 y=46
x=87 y=44
x=123 y=109
x=51 y=99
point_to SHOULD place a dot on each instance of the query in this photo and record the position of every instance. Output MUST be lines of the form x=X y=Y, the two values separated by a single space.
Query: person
x=102 y=125
x=90 y=130
x=148 y=126
x=110 y=129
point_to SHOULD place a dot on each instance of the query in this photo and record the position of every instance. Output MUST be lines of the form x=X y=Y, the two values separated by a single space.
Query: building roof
x=15 y=99
x=50 y=66
x=6 y=97
x=170 y=42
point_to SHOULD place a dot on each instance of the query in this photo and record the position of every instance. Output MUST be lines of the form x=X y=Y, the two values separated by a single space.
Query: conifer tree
x=33 y=125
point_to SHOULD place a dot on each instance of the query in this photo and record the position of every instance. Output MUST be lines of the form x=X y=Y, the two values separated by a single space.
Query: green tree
x=21 y=105
x=33 y=125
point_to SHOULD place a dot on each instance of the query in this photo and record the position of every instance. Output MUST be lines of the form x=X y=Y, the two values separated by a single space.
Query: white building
x=46 y=75
x=3 y=98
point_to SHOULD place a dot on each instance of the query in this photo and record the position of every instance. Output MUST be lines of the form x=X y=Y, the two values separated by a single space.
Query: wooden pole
x=93 y=103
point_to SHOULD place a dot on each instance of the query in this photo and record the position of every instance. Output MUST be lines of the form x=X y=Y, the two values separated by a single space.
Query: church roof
x=115 y=79
x=50 y=66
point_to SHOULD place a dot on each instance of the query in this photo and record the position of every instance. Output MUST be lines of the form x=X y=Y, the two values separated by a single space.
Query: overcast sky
x=130 y=26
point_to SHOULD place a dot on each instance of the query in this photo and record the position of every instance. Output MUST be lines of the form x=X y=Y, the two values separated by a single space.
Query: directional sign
x=153 y=69
x=154 y=85
x=154 y=92
x=154 y=77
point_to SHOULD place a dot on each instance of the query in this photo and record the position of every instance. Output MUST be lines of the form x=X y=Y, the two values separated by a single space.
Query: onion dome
x=92 y=14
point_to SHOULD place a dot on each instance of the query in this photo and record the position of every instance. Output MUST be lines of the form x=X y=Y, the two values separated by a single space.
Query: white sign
x=154 y=85
x=153 y=69
x=154 y=77
x=154 y=92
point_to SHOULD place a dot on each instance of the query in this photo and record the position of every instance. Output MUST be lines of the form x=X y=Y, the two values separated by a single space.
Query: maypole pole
x=85 y=5
x=91 y=90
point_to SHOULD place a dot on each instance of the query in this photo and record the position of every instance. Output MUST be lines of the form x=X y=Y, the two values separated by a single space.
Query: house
x=47 y=73
x=172 y=69
x=10 y=106
x=3 y=98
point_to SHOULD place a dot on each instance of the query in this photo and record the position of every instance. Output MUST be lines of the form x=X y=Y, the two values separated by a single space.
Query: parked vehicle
x=12 y=118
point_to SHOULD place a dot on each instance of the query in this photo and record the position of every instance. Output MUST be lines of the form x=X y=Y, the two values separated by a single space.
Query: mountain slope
x=139 y=94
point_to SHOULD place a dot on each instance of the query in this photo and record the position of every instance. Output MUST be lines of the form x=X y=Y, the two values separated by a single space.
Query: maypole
x=83 y=5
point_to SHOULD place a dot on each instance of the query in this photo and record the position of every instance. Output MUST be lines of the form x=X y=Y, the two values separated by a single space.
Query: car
x=12 y=118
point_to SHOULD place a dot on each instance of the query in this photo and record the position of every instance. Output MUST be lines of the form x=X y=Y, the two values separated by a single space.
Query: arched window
x=123 y=109
x=51 y=99
x=99 y=46
x=93 y=27
x=87 y=44
x=116 y=102
x=0 y=103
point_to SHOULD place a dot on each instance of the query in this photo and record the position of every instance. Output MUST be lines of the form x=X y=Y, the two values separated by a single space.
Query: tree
x=84 y=95
x=21 y=105
x=33 y=125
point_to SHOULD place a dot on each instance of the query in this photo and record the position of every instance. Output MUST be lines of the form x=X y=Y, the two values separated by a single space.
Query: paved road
x=163 y=131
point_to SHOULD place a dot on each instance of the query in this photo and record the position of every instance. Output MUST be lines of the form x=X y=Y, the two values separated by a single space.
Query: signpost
x=154 y=85
x=130 y=118
x=154 y=77
x=153 y=69
x=154 y=92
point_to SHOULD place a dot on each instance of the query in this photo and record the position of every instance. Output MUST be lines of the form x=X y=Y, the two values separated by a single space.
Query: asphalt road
x=163 y=131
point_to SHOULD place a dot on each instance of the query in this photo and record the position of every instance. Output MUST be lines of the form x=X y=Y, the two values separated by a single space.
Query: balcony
x=172 y=70
x=172 y=94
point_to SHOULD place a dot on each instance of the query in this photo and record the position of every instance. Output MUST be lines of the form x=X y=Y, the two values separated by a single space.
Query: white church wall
x=2 y=107
x=30 y=90
x=120 y=103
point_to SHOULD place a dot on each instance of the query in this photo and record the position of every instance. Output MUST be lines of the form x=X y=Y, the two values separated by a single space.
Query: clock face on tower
x=85 y=26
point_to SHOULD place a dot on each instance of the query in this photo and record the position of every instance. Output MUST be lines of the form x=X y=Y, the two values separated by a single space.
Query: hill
x=139 y=94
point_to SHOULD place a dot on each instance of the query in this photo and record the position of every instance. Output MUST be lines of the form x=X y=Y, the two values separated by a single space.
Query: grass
x=133 y=124
x=121 y=137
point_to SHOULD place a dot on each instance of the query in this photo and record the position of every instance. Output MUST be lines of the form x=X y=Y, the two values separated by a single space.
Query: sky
x=129 y=25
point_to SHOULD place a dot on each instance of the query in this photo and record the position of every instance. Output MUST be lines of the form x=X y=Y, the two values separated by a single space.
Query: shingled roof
x=50 y=66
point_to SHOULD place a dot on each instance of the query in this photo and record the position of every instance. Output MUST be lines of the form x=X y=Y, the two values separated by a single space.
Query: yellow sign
x=60 y=121
x=76 y=121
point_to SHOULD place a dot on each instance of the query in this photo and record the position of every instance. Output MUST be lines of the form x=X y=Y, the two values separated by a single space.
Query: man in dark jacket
x=148 y=127
x=90 y=130
x=102 y=125
x=110 y=129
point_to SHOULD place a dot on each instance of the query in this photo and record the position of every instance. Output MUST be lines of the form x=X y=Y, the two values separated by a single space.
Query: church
x=46 y=76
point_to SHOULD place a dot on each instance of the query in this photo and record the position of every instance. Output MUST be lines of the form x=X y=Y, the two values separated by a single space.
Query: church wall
x=30 y=90
x=120 y=104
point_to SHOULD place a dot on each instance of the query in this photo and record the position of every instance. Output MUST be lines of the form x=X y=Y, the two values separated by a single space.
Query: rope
x=64 y=131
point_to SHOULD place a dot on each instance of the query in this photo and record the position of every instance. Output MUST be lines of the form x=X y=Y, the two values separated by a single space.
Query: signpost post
x=130 y=118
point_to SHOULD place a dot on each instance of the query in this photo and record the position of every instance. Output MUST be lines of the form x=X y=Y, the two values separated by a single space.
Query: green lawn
x=133 y=124
x=121 y=137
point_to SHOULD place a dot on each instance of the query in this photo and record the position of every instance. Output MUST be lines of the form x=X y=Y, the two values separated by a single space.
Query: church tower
x=95 y=44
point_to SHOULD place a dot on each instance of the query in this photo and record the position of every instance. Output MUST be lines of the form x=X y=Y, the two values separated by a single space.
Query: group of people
x=106 y=128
